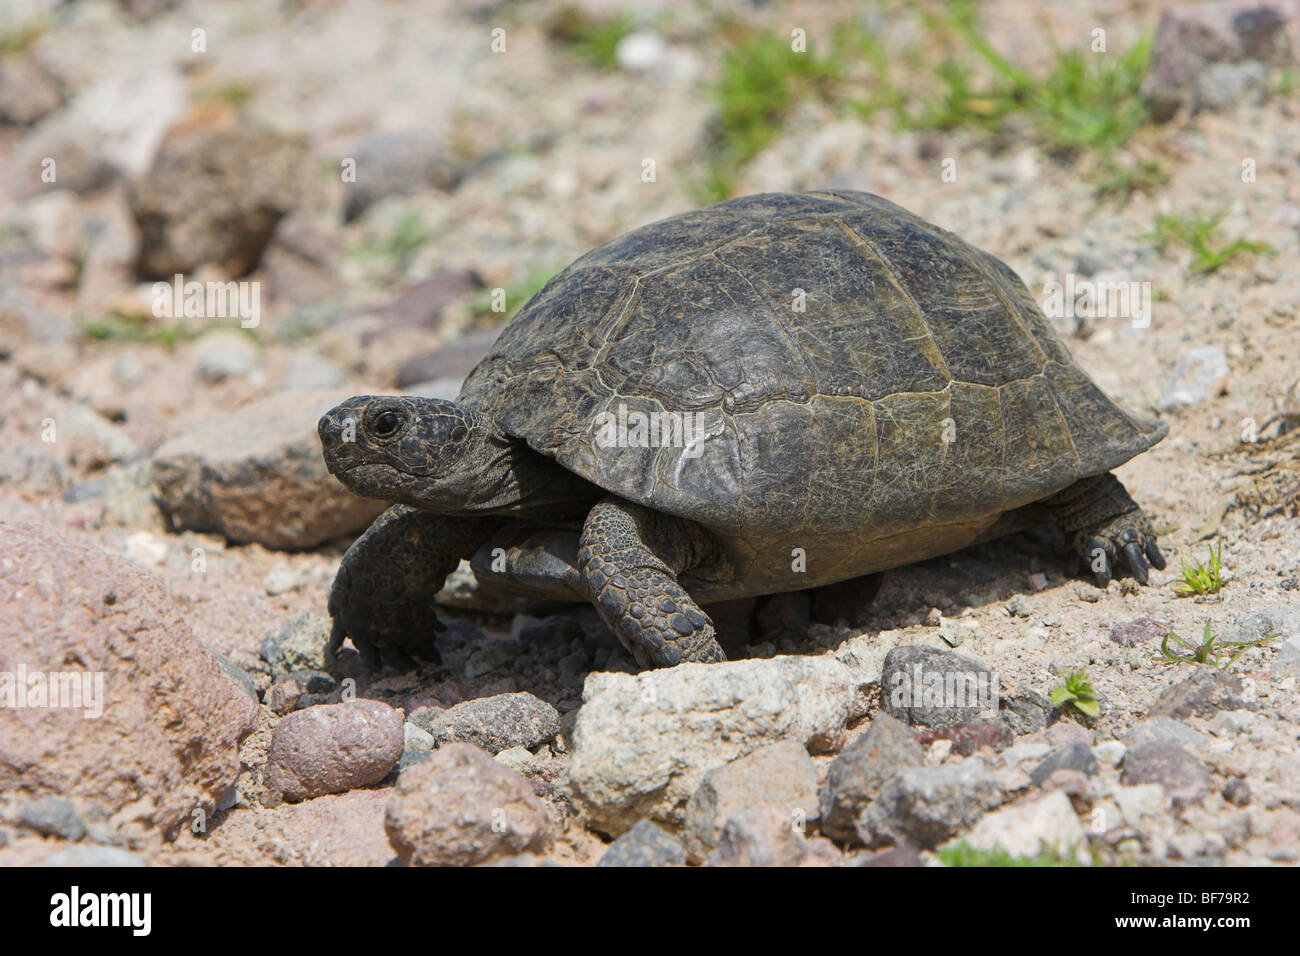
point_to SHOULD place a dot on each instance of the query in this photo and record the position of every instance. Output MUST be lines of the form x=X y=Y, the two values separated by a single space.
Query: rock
x=308 y=371
x=921 y=685
x=301 y=263
x=1027 y=711
x=780 y=777
x=894 y=856
x=641 y=51
x=282 y=580
x=1137 y=631
x=1109 y=753
x=417 y=744
x=93 y=441
x=1145 y=800
x=235 y=673
x=856 y=776
x=396 y=163
x=519 y=759
x=926 y=806
x=1202 y=373
x=301 y=643
x=453 y=360
x=645 y=845
x=1163 y=730
x=494 y=723
x=333 y=747
x=79 y=856
x=1226 y=86
x=1190 y=38
x=1229 y=723
x=643 y=742
x=256 y=474
x=1072 y=757
x=168 y=721
x=970 y=735
x=461 y=808
x=226 y=353
x=1182 y=775
x=53 y=816
x=1203 y=692
x=764 y=836
x=27 y=92
x=1032 y=827
x=214 y=194
x=1237 y=792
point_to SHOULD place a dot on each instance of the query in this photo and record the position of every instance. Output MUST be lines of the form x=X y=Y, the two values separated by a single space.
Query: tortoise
x=774 y=393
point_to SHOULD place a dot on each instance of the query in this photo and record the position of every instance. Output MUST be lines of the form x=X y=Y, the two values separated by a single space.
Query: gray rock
x=1137 y=631
x=27 y=92
x=1237 y=792
x=1183 y=777
x=1072 y=757
x=1031 y=827
x=1203 y=692
x=643 y=742
x=256 y=474
x=333 y=748
x=926 y=806
x=53 y=816
x=921 y=685
x=225 y=354
x=645 y=845
x=1163 y=730
x=1191 y=38
x=308 y=372
x=763 y=836
x=894 y=856
x=1027 y=711
x=780 y=777
x=417 y=744
x=461 y=808
x=396 y=163
x=301 y=643
x=494 y=723
x=857 y=775
x=1226 y=86
x=1199 y=374
x=235 y=673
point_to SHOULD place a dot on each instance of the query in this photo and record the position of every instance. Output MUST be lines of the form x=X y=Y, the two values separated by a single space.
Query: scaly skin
x=383 y=595
x=1104 y=522
x=629 y=557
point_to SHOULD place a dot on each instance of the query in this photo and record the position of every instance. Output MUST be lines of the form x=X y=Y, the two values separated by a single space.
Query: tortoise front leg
x=382 y=596
x=629 y=558
x=1103 y=523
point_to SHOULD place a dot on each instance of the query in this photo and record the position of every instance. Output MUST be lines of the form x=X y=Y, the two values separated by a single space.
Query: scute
x=912 y=383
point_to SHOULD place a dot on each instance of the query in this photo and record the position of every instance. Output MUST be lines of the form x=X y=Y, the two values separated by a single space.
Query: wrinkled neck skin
x=500 y=475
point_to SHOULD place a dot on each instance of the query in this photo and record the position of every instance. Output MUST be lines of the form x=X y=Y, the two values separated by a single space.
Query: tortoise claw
x=1137 y=563
x=1153 y=554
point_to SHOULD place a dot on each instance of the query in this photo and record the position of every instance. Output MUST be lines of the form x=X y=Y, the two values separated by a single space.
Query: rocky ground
x=167 y=521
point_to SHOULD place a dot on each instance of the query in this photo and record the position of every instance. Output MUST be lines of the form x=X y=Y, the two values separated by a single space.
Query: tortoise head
x=425 y=452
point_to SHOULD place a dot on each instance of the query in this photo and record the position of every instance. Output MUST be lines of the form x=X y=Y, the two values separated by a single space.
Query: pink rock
x=330 y=748
x=167 y=739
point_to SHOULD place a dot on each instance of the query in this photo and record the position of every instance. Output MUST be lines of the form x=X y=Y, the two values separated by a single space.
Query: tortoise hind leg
x=629 y=558
x=1103 y=522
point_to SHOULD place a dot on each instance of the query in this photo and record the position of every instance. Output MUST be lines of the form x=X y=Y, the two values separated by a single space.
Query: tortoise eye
x=459 y=432
x=386 y=424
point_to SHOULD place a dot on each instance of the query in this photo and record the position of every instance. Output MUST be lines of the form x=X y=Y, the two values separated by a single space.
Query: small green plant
x=962 y=853
x=516 y=294
x=1203 y=578
x=236 y=94
x=1196 y=232
x=119 y=328
x=761 y=80
x=591 y=39
x=1210 y=650
x=1076 y=692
